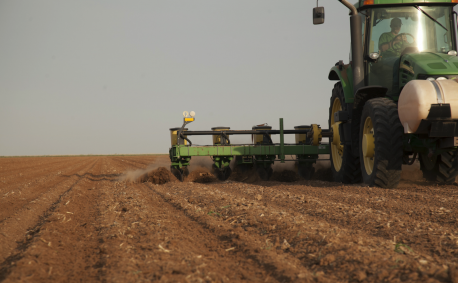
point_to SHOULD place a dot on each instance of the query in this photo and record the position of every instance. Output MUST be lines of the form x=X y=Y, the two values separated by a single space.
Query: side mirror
x=318 y=15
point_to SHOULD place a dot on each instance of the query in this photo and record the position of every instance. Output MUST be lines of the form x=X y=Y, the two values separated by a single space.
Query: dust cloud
x=323 y=170
x=200 y=170
x=159 y=172
x=289 y=164
x=412 y=172
x=138 y=174
x=200 y=163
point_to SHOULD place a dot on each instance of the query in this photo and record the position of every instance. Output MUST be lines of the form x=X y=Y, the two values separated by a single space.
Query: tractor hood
x=420 y=66
x=428 y=63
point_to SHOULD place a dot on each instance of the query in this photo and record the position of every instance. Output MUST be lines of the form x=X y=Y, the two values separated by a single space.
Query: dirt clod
x=158 y=176
x=360 y=275
x=328 y=259
x=201 y=175
x=453 y=270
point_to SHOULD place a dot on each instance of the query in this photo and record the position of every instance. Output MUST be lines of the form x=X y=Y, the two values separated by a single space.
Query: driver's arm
x=384 y=47
x=384 y=43
x=388 y=45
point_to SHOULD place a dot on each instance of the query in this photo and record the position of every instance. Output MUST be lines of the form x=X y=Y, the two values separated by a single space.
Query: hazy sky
x=106 y=77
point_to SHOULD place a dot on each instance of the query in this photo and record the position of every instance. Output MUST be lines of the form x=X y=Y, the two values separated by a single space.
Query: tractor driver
x=389 y=39
x=390 y=46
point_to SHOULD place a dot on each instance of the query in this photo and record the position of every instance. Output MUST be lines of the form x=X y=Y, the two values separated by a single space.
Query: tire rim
x=336 y=150
x=368 y=129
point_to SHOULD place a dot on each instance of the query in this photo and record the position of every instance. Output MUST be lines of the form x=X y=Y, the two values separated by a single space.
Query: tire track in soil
x=114 y=232
x=6 y=266
x=84 y=237
x=382 y=206
x=278 y=266
x=75 y=229
x=13 y=228
x=35 y=193
x=149 y=239
x=432 y=267
x=225 y=236
x=379 y=201
x=379 y=207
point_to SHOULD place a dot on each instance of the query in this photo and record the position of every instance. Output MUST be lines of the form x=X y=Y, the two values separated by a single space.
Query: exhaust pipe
x=356 y=46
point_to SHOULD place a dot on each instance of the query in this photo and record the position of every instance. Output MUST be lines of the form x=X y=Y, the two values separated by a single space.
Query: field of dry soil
x=97 y=218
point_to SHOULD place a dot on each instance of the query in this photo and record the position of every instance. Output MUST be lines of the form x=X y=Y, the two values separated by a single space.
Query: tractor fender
x=362 y=95
x=344 y=74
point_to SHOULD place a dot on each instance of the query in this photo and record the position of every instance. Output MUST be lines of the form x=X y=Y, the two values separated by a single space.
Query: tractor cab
x=403 y=43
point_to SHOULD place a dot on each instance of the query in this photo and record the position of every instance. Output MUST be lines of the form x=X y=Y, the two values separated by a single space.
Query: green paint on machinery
x=259 y=156
x=396 y=100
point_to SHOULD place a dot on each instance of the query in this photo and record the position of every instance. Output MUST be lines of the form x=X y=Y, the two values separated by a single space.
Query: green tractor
x=397 y=98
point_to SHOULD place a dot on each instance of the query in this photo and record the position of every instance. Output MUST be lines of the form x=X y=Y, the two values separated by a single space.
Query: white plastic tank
x=417 y=96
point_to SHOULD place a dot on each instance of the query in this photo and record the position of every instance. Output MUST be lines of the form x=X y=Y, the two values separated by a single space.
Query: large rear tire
x=380 y=143
x=345 y=167
x=442 y=168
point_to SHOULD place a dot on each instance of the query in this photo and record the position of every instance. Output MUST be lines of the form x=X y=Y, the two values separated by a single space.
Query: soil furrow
x=15 y=230
x=227 y=234
x=149 y=244
x=276 y=211
x=254 y=243
x=73 y=221
x=95 y=227
x=21 y=198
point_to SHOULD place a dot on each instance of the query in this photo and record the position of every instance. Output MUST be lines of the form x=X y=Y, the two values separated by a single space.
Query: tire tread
x=389 y=145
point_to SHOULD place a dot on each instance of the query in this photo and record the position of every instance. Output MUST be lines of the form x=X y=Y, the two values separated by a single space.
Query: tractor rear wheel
x=380 y=142
x=345 y=167
x=442 y=168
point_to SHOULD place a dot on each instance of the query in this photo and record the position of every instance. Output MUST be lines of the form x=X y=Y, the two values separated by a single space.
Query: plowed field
x=83 y=219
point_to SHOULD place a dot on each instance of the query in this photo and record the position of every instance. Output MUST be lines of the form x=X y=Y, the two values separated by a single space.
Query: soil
x=201 y=175
x=285 y=176
x=157 y=176
x=128 y=219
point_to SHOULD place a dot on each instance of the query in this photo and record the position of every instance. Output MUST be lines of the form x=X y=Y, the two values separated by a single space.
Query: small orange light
x=454 y=1
x=371 y=2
